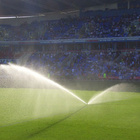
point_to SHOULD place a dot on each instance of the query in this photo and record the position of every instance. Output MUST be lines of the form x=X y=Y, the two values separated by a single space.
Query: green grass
x=111 y=120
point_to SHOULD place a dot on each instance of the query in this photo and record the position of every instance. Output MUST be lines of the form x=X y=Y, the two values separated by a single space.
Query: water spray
x=94 y=98
x=21 y=68
x=114 y=92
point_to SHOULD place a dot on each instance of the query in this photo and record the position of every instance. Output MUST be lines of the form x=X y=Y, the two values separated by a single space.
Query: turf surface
x=111 y=120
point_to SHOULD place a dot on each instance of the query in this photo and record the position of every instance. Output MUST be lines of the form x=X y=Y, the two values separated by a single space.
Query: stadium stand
x=99 y=24
x=91 y=64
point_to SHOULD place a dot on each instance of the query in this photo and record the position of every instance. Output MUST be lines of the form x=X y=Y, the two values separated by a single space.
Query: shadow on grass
x=55 y=123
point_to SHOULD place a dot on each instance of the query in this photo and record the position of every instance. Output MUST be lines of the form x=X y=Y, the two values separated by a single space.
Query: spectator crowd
x=91 y=65
x=73 y=28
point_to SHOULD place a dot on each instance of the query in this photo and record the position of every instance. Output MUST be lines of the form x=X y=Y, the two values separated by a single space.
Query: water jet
x=28 y=95
x=113 y=93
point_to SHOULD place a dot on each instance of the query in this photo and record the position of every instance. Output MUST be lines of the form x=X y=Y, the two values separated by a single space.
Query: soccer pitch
x=41 y=114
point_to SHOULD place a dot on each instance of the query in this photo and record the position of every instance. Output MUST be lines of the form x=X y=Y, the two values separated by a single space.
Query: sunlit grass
x=112 y=120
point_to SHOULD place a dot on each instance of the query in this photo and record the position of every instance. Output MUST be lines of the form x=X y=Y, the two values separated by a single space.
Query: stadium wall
x=99 y=85
x=95 y=85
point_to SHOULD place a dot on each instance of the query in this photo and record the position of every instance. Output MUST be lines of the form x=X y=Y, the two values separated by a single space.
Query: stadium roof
x=32 y=7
